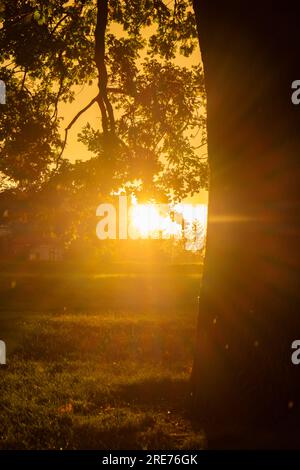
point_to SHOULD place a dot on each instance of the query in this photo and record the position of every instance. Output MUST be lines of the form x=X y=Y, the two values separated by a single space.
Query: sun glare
x=164 y=221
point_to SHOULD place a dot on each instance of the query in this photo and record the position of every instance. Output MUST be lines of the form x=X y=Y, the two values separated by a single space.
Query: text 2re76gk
x=167 y=459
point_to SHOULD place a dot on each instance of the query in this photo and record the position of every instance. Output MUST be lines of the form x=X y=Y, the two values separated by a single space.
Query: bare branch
x=71 y=124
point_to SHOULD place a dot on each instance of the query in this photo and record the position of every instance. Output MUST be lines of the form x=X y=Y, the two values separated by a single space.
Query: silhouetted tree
x=150 y=108
x=49 y=47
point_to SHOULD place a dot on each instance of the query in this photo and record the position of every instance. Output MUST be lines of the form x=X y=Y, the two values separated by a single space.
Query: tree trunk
x=249 y=304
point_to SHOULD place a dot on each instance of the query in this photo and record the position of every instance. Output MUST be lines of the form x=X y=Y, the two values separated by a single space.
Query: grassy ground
x=98 y=361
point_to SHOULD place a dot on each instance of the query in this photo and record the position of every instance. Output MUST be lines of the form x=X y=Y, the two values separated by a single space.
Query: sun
x=152 y=221
x=166 y=221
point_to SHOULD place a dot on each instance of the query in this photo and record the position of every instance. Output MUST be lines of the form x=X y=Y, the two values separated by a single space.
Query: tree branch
x=108 y=120
x=59 y=23
x=71 y=124
x=24 y=79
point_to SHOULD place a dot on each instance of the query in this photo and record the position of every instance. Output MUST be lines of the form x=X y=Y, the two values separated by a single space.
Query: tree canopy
x=151 y=136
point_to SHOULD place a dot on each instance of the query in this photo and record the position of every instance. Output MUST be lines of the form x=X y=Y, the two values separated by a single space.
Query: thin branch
x=23 y=80
x=200 y=126
x=203 y=156
x=200 y=146
x=28 y=91
x=59 y=23
x=71 y=124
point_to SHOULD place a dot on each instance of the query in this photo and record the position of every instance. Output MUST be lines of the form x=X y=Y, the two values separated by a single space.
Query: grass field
x=98 y=361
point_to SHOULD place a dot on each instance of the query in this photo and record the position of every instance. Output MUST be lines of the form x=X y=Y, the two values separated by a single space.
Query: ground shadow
x=166 y=393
